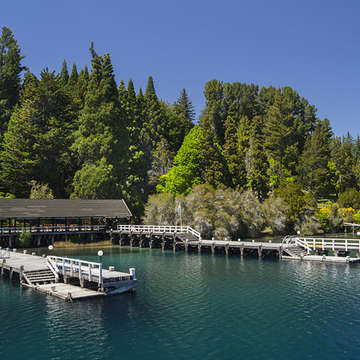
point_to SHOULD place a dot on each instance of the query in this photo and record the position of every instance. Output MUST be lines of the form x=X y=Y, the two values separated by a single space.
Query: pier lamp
x=51 y=247
x=100 y=254
x=298 y=232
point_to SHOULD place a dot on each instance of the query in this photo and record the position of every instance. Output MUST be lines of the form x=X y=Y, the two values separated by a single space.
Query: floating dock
x=65 y=278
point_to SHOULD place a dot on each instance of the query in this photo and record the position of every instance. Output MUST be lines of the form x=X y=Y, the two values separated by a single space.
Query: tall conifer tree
x=10 y=80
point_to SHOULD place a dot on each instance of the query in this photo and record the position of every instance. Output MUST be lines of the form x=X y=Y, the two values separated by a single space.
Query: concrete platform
x=66 y=291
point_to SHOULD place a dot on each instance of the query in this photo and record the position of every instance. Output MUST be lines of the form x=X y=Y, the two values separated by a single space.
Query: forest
x=258 y=160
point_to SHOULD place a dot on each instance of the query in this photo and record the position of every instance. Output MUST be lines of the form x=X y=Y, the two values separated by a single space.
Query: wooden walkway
x=69 y=279
x=186 y=238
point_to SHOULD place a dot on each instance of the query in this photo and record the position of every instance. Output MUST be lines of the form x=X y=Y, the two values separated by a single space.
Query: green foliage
x=313 y=165
x=223 y=213
x=40 y=191
x=36 y=144
x=25 y=240
x=299 y=201
x=349 y=198
x=188 y=165
x=329 y=217
x=10 y=76
x=6 y=196
x=95 y=182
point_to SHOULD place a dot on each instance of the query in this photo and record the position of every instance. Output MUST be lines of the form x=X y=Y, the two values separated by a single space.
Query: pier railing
x=317 y=243
x=77 y=268
x=50 y=229
x=4 y=254
x=157 y=229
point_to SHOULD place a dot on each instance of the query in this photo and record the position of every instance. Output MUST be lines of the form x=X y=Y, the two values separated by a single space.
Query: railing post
x=100 y=277
x=90 y=277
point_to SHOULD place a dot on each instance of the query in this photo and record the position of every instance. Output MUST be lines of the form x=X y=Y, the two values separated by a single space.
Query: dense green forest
x=257 y=159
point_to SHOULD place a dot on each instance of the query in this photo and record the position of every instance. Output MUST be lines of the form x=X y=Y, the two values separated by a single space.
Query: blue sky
x=312 y=46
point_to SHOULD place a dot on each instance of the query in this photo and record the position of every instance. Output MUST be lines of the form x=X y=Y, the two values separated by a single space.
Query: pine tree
x=63 y=76
x=138 y=157
x=313 y=169
x=214 y=94
x=215 y=171
x=234 y=158
x=256 y=161
x=73 y=76
x=181 y=120
x=156 y=124
x=101 y=140
x=36 y=144
x=10 y=80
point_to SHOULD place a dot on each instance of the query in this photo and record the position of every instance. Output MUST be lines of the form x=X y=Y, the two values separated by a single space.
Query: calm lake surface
x=191 y=306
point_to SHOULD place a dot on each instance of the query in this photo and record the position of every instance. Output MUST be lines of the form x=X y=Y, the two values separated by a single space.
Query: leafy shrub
x=349 y=198
x=25 y=239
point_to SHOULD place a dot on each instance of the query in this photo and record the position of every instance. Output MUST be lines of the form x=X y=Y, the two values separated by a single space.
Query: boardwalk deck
x=69 y=279
x=184 y=237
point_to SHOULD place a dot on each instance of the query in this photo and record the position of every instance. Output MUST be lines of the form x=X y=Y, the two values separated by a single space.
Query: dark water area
x=191 y=306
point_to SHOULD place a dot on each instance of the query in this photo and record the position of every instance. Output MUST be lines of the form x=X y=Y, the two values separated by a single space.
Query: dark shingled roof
x=61 y=208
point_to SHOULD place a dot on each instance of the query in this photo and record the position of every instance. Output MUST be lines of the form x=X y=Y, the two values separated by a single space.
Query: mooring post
x=163 y=242
x=280 y=252
x=213 y=248
x=11 y=273
x=227 y=249
x=2 y=267
x=21 y=273
x=260 y=251
x=242 y=250
x=199 y=247
x=186 y=245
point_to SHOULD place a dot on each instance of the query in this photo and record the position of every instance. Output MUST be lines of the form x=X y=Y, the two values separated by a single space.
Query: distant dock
x=187 y=239
x=65 y=278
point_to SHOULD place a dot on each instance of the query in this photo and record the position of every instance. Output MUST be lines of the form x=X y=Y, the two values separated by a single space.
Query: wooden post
x=259 y=251
x=213 y=248
x=21 y=273
x=186 y=245
x=242 y=251
x=2 y=267
x=227 y=249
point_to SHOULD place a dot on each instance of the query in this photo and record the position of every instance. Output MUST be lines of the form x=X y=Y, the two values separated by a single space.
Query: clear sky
x=312 y=46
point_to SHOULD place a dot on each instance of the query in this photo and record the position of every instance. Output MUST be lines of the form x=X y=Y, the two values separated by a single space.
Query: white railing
x=50 y=229
x=158 y=229
x=324 y=243
x=4 y=254
x=77 y=268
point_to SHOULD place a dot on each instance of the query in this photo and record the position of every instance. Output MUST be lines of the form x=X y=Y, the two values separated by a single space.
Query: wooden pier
x=65 y=278
x=187 y=239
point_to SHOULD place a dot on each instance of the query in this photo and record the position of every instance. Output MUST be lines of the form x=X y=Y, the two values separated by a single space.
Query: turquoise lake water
x=191 y=306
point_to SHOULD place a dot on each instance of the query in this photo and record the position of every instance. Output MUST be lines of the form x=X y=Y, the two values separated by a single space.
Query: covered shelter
x=28 y=212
